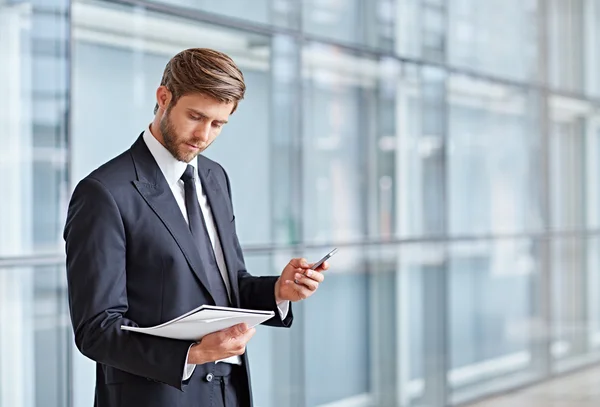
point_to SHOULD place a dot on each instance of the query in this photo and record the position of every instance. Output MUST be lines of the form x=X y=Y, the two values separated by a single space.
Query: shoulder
x=118 y=171
x=108 y=180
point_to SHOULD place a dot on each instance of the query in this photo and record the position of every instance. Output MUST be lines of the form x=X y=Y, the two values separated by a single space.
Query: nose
x=202 y=132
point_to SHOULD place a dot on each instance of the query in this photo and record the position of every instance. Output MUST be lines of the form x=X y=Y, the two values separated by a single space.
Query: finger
x=248 y=335
x=314 y=275
x=237 y=330
x=309 y=283
x=322 y=267
x=299 y=263
x=302 y=292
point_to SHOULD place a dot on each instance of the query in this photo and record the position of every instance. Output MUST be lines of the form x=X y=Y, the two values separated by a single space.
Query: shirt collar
x=171 y=167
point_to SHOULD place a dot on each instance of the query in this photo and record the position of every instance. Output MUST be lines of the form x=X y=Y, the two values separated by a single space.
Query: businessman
x=151 y=235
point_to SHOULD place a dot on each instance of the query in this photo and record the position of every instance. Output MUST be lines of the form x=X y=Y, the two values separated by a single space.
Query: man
x=151 y=235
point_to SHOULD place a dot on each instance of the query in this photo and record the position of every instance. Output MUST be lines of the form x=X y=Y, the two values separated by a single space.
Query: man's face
x=192 y=124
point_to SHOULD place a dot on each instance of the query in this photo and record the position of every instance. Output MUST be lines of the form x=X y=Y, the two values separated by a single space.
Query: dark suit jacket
x=131 y=261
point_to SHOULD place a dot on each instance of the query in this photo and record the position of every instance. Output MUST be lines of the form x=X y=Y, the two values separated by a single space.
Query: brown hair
x=206 y=71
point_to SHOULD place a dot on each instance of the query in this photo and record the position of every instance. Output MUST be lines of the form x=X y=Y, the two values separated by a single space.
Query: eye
x=196 y=118
x=217 y=125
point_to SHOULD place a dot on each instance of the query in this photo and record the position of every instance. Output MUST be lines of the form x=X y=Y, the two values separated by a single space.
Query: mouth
x=192 y=146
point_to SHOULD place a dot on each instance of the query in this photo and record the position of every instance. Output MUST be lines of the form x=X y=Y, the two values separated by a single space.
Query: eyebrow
x=196 y=112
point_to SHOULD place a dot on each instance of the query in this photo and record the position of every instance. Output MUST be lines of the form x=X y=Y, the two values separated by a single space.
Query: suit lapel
x=218 y=205
x=156 y=192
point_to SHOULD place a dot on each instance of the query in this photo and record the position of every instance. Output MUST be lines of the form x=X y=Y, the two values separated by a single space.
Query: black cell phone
x=327 y=256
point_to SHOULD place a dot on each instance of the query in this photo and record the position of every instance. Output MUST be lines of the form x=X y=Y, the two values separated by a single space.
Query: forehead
x=207 y=105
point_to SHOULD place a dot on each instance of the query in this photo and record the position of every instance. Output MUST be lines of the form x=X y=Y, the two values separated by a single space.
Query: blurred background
x=449 y=148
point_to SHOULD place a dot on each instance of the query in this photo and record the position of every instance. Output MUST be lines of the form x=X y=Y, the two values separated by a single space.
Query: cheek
x=185 y=128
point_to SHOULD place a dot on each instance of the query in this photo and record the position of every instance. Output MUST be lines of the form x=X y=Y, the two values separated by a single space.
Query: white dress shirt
x=173 y=169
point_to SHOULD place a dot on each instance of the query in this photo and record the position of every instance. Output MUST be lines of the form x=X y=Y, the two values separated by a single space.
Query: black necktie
x=200 y=233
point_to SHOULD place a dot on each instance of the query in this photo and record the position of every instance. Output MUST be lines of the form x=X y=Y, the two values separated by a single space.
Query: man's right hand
x=221 y=345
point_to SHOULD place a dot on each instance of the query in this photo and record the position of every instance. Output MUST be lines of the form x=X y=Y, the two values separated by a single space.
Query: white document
x=204 y=320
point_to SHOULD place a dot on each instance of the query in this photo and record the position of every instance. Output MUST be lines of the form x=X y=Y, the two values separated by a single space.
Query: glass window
x=408 y=22
x=276 y=12
x=572 y=34
x=33 y=158
x=498 y=37
x=492 y=339
x=344 y=119
x=592 y=170
x=34 y=337
x=285 y=147
x=419 y=313
x=573 y=191
x=572 y=339
x=362 y=22
x=325 y=351
x=566 y=44
x=568 y=120
x=421 y=112
x=591 y=287
x=493 y=169
x=348 y=121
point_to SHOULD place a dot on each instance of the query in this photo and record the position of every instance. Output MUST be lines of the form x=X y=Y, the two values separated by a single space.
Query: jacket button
x=209 y=377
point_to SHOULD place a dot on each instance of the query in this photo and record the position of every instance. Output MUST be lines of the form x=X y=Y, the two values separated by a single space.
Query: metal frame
x=252 y=250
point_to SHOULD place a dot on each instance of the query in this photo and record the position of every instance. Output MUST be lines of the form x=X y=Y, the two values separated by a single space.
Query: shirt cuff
x=188 y=369
x=283 y=309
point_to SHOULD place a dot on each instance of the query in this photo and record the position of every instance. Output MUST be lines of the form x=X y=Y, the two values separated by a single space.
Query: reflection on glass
x=34 y=337
x=361 y=22
x=493 y=183
x=335 y=323
x=592 y=305
x=33 y=126
x=498 y=37
x=592 y=172
x=574 y=301
x=420 y=157
x=462 y=289
x=276 y=12
x=568 y=122
x=341 y=127
x=492 y=317
x=566 y=44
x=420 y=304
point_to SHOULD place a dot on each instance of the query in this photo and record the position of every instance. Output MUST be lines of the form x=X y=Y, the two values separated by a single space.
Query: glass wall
x=35 y=332
x=449 y=148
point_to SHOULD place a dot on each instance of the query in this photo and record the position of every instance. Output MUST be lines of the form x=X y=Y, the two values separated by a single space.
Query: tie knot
x=188 y=175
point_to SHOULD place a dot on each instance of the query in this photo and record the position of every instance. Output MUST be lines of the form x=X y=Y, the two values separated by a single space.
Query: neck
x=155 y=130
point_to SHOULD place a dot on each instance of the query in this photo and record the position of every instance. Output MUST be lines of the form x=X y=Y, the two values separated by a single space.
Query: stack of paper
x=204 y=320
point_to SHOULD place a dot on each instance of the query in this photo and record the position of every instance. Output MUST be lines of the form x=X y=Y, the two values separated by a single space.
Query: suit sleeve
x=96 y=275
x=257 y=292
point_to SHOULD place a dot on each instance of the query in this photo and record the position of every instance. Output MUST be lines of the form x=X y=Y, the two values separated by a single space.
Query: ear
x=163 y=97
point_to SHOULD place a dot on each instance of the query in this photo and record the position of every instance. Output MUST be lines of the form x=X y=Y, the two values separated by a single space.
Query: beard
x=174 y=143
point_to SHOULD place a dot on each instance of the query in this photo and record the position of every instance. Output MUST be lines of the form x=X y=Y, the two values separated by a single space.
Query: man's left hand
x=298 y=282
